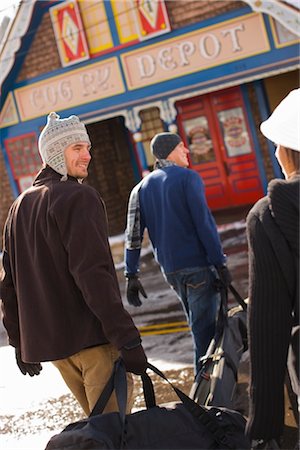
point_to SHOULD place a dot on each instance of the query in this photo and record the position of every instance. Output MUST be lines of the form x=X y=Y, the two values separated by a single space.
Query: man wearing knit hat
x=273 y=238
x=170 y=202
x=60 y=294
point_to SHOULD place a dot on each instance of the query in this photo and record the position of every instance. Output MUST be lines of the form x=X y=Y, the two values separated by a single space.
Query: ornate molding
x=13 y=42
x=132 y=120
x=288 y=16
x=167 y=110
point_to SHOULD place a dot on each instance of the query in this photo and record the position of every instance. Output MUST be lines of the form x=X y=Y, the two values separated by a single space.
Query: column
x=133 y=123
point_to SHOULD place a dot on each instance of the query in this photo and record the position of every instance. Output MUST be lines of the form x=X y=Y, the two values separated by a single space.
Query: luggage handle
x=196 y=410
x=238 y=298
x=118 y=382
x=222 y=319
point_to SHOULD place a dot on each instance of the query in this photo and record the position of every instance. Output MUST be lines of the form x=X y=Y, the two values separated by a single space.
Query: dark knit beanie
x=163 y=144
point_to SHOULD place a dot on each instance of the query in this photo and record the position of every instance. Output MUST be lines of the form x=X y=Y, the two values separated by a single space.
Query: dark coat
x=273 y=237
x=60 y=291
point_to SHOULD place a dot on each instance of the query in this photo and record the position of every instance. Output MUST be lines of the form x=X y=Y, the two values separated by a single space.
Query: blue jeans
x=195 y=288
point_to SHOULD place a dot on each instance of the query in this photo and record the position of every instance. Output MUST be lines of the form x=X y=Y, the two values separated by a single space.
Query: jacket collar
x=47 y=174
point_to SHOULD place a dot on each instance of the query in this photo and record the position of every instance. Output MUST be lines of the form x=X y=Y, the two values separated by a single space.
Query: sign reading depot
x=199 y=50
x=193 y=52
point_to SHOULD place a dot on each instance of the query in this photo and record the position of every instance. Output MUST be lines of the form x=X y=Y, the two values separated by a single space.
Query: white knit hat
x=283 y=126
x=57 y=135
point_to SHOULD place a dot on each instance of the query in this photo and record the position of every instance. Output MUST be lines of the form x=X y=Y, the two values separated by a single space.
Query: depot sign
x=208 y=47
x=219 y=44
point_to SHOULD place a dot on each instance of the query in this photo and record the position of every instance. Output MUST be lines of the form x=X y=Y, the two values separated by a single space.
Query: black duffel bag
x=217 y=377
x=184 y=425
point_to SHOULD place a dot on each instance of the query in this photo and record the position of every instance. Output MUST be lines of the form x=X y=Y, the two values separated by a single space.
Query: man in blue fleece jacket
x=170 y=202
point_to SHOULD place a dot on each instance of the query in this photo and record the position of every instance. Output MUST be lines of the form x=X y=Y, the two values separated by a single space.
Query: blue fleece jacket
x=181 y=227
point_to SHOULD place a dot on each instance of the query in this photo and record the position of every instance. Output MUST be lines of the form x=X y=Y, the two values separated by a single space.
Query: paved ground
x=32 y=410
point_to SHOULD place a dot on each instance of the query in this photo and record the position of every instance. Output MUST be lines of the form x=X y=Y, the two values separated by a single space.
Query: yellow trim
x=175 y=330
x=163 y=325
x=275 y=39
x=118 y=13
x=193 y=33
x=164 y=328
x=89 y=26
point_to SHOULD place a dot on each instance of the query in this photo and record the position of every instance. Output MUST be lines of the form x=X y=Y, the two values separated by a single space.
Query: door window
x=199 y=140
x=234 y=131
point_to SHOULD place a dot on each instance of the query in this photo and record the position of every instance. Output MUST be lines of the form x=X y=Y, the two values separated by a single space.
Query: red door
x=215 y=129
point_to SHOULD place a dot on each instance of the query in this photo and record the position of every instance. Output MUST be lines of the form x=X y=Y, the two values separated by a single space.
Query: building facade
x=210 y=70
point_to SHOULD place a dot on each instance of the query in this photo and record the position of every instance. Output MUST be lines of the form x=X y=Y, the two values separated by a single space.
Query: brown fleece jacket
x=59 y=289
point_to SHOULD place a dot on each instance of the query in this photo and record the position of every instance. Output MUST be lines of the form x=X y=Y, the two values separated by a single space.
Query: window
x=24 y=158
x=96 y=25
x=151 y=125
x=124 y=13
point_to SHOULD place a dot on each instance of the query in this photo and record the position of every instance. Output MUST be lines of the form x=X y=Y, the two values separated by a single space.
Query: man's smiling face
x=78 y=157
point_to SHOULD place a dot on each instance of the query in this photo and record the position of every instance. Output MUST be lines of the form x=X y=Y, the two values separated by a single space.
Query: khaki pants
x=86 y=374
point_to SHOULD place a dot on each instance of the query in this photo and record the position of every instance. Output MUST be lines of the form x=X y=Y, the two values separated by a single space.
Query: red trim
x=114 y=48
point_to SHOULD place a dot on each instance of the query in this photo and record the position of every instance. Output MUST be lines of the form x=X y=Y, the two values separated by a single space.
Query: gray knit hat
x=56 y=136
x=163 y=144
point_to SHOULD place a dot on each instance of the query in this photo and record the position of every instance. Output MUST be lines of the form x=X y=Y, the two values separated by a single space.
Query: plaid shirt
x=133 y=238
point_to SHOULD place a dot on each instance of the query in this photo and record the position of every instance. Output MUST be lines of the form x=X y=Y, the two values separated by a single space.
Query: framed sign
x=69 y=34
x=234 y=130
x=152 y=18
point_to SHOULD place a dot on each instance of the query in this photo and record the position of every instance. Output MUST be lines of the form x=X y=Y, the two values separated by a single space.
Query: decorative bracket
x=285 y=14
x=132 y=120
x=13 y=39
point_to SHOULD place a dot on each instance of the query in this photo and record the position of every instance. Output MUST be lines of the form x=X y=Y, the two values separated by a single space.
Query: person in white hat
x=60 y=294
x=273 y=238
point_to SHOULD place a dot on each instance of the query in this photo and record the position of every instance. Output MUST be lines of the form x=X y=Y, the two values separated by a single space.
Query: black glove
x=263 y=444
x=133 y=287
x=134 y=359
x=224 y=275
x=30 y=368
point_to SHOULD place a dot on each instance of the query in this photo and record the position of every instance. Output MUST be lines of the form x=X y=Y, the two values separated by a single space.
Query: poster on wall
x=68 y=29
x=199 y=140
x=234 y=131
x=152 y=18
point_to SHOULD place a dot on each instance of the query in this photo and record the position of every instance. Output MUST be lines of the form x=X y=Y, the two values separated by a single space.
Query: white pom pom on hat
x=56 y=136
x=283 y=126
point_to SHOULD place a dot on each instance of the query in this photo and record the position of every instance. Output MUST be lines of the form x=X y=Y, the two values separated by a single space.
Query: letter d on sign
x=146 y=66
